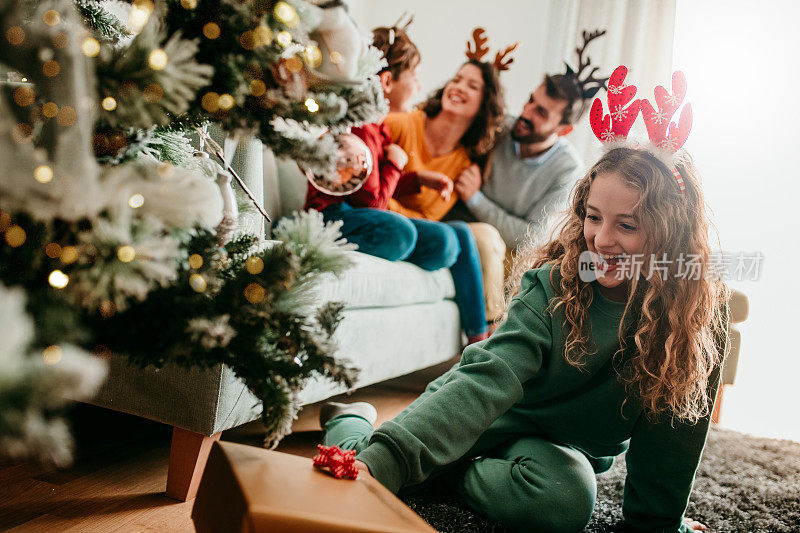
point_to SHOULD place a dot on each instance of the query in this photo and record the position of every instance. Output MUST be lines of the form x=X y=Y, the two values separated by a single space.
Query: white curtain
x=639 y=35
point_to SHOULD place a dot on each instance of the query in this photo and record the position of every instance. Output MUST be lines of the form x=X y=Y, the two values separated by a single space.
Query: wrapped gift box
x=251 y=490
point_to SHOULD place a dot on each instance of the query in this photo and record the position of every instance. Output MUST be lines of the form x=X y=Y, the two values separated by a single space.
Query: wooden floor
x=118 y=479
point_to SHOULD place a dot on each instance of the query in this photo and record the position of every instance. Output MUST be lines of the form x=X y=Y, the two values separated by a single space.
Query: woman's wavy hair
x=678 y=324
x=479 y=138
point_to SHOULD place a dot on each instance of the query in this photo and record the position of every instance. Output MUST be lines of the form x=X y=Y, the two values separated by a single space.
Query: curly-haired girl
x=582 y=370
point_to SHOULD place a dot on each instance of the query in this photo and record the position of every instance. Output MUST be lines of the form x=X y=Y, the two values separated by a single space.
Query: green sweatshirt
x=519 y=379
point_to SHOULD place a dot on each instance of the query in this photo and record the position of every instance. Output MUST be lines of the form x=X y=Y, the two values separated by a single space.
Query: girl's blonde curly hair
x=678 y=324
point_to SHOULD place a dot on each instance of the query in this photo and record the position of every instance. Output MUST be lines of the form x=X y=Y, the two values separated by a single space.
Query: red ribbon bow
x=339 y=463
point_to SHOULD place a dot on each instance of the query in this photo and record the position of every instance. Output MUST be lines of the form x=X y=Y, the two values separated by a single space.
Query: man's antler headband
x=481 y=49
x=589 y=85
x=663 y=133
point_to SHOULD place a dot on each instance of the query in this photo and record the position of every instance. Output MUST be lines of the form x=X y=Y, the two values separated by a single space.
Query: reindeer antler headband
x=396 y=26
x=666 y=136
x=501 y=59
x=589 y=85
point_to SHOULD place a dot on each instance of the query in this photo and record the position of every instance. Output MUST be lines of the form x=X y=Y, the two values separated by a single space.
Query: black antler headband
x=589 y=85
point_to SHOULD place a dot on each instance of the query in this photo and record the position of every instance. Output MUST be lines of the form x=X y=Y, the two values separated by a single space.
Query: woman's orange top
x=408 y=131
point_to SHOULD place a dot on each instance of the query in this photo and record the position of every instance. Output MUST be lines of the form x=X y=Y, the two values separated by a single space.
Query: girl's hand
x=436 y=180
x=694 y=525
x=396 y=155
x=468 y=182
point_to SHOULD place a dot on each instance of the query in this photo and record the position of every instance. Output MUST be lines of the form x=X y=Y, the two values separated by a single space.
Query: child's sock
x=479 y=337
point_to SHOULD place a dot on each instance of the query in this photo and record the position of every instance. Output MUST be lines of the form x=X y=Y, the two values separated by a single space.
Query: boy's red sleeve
x=389 y=176
x=407 y=184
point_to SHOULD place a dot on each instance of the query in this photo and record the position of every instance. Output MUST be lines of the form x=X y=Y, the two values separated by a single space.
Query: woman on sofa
x=429 y=244
x=452 y=130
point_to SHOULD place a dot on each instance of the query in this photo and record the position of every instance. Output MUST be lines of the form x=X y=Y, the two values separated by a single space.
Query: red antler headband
x=663 y=133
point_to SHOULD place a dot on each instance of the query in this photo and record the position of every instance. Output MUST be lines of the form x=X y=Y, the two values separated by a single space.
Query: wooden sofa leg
x=717 y=405
x=187 y=460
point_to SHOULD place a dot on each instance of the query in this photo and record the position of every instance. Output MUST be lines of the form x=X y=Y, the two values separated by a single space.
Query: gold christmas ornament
x=353 y=168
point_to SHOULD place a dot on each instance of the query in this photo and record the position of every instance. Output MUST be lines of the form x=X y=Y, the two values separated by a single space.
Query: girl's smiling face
x=613 y=234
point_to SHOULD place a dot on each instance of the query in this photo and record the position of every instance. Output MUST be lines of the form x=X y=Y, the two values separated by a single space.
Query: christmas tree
x=109 y=223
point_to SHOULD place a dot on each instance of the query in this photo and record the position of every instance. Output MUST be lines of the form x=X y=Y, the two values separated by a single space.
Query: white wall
x=740 y=60
x=442 y=28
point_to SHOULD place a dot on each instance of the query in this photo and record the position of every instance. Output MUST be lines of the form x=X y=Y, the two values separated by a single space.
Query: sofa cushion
x=375 y=282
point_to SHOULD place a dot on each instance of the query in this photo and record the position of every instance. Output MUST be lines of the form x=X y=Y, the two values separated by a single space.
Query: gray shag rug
x=744 y=483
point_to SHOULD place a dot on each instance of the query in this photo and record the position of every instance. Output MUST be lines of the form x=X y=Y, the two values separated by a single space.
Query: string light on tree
x=195 y=261
x=284 y=38
x=263 y=36
x=52 y=250
x=58 y=279
x=257 y=88
x=312 y=105
x=139 y=15
x=136 y=201
x=66 y=116
x=109 y=103
x=197 y=282
x=254 y=265
x=126 y=253
x=211 y=30
x=294 y=65
x=50 y=109
x=43 y=174
x=210 y=102
x=107 y=308
x=52 y=355
x=158 y=59
x=69 y=254
x=15 y=236
x=15 y=35
x=90 y=47
x=24 y=96
x=51 y=17
x=189 y=4
x=60 y=40
x=225 y=102
x=51 y=68
x=286 y=14
x=312 y=55
x=255 y=293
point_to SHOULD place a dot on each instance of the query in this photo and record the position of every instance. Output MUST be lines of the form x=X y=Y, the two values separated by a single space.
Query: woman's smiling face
x=613 y=233
x=464 y=93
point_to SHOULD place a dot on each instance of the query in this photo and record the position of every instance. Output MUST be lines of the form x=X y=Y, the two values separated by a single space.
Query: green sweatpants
x=523 y=481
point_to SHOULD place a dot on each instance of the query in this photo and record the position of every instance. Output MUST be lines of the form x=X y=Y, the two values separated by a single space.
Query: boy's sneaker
x=333 y=409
